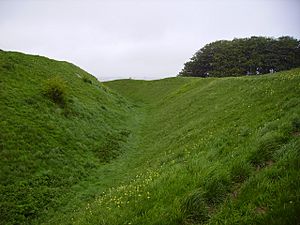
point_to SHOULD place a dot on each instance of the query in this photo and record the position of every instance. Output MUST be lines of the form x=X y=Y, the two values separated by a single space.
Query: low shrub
x=55 y=89
x=87 y=80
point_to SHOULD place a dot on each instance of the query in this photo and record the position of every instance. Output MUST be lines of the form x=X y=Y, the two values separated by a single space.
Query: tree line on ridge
x=244 y=56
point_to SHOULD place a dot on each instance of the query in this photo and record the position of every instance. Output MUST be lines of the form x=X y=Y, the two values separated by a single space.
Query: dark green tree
x=244 y=56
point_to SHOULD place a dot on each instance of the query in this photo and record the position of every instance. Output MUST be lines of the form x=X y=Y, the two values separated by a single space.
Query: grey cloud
x=140 y=39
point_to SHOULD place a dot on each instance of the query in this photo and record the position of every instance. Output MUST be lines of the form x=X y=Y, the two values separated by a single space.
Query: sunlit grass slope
x=58 y=125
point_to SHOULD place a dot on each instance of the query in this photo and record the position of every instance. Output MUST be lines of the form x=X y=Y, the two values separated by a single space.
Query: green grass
x=56 y=130
x=173 y=151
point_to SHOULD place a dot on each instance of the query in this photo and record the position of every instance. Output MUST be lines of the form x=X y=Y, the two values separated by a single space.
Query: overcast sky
x=141 y=39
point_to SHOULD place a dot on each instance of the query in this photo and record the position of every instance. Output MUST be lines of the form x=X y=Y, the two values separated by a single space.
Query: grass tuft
x=266 y=147
x=240 y=171
x=194 y=207
x=296 y=125
x=216 y=188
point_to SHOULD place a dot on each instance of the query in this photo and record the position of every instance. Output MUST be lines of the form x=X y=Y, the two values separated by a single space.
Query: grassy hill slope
x=58 y=125
x=222 y=151
x=172 y=151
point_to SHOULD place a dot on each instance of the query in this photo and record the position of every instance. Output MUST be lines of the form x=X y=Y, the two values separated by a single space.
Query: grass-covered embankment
x=58 y=125
x=222 y=151
x=193 y=151
x=210 y=151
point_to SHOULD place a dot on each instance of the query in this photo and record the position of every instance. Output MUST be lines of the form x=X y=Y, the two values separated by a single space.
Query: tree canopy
x=244 y=56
